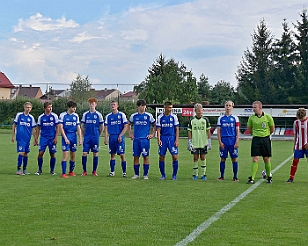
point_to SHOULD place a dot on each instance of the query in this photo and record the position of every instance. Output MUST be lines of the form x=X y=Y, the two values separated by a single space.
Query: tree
x=222 y=92
x=80 y=89
x=254 y=73
x=167 y=81
x=204 y=88
x=284 y=74
x=301 y=36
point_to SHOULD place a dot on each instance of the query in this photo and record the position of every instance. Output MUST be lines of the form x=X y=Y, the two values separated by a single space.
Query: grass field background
x=49 y=210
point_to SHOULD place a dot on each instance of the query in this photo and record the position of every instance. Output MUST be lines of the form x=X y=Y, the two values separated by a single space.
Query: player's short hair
x=114 y=101
x=168 y=103
x=232 y=103
x=141 y=102
x=27 y=103
x=71 y=104
x=197 y=105
x=46 y=104
x=92 y=99
x=301 y=113
x=258 y=102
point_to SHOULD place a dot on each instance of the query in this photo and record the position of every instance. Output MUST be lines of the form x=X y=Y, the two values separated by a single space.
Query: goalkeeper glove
x=209 y=144
x=189 y=145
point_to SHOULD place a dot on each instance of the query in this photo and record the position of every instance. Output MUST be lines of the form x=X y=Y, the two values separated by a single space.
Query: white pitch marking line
x=202 y=227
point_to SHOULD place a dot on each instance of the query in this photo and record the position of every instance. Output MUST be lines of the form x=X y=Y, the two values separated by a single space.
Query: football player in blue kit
x=228 y=133
x=167 y=126
x=47 y=126
x=141 y=122
x=115 y=128
x=92 y=125
x=23 y=127
x=69 y=125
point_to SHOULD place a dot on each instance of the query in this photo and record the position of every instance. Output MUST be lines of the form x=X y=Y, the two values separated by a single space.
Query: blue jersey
x=24 y=124
x=48 y=125
x=115 y=123
x=92 y=123
x=142 y=124
x=167 y=124
x=228 y=125
x=69 y=122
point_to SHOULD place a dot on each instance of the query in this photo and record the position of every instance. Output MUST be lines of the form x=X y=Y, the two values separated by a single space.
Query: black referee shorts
x=261 y=146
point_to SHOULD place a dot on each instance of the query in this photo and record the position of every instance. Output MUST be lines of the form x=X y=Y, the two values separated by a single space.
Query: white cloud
x=207 y=36
x=82 y=37
x=39 y=23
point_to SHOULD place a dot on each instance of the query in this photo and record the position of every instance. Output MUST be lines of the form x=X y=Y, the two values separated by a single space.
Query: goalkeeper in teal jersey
x=199 y=141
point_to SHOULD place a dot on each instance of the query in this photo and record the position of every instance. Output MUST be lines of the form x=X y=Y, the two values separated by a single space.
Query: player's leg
x=266 y=154
x=297 y=155
x=161 y=166
x=25 y=158
x=21 y=152
x=121 y=153
x=174 y=151
x=162 y=150
x=63 y=162
x=223 y=153
x=145 y=146
x=73 y=149
x=65 y=149
x=136 y=153
x=234 y=158
x=84 y=158
x=72 y=161
x=42 y=148
x=255 y=154
x=112 y=151
x=203 y=153
x=94 y=149
x=52 y=162
x=195 y=153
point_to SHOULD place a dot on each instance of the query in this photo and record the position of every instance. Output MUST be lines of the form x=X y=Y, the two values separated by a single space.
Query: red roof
x=5 y=82
x=129 y=94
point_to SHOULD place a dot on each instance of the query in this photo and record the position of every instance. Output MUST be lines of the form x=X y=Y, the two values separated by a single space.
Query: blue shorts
x=91 y=144
x=44 y=142
x=114 y=146
x=298 y=154
x=228 y=149
x=141 y=146
x=167 y=143
x=23 y=147
x=70 y=147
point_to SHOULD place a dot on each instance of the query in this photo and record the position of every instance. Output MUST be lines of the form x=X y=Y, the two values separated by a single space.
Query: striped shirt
x=301 y=132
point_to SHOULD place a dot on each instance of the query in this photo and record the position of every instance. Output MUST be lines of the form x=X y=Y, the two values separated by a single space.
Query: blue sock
x=175 y=165
x=72 y=166
x=40 y=163
x=95 y=163
x=52 y=164
x=235 y=169
x=19 y=161
x=84 y=163
x=162 y=168
x=222 y=169
x=123 y=166
x=112 y=165
x=63 y=164
x=25 y=160
x=146 y=169
x=136 y=169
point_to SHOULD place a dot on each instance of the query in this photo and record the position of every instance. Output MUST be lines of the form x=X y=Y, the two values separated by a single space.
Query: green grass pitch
x=49 y=210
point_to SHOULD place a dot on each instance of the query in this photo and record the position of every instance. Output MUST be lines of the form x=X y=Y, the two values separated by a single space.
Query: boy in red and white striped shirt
x=300 y=127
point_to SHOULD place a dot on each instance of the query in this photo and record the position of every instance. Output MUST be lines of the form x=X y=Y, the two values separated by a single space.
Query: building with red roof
x=5 y=87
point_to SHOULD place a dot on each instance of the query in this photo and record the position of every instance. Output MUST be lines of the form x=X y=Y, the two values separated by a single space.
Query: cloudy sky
x=115 y=41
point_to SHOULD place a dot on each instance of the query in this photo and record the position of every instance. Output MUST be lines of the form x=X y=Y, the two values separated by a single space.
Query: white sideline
x=202 y=227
